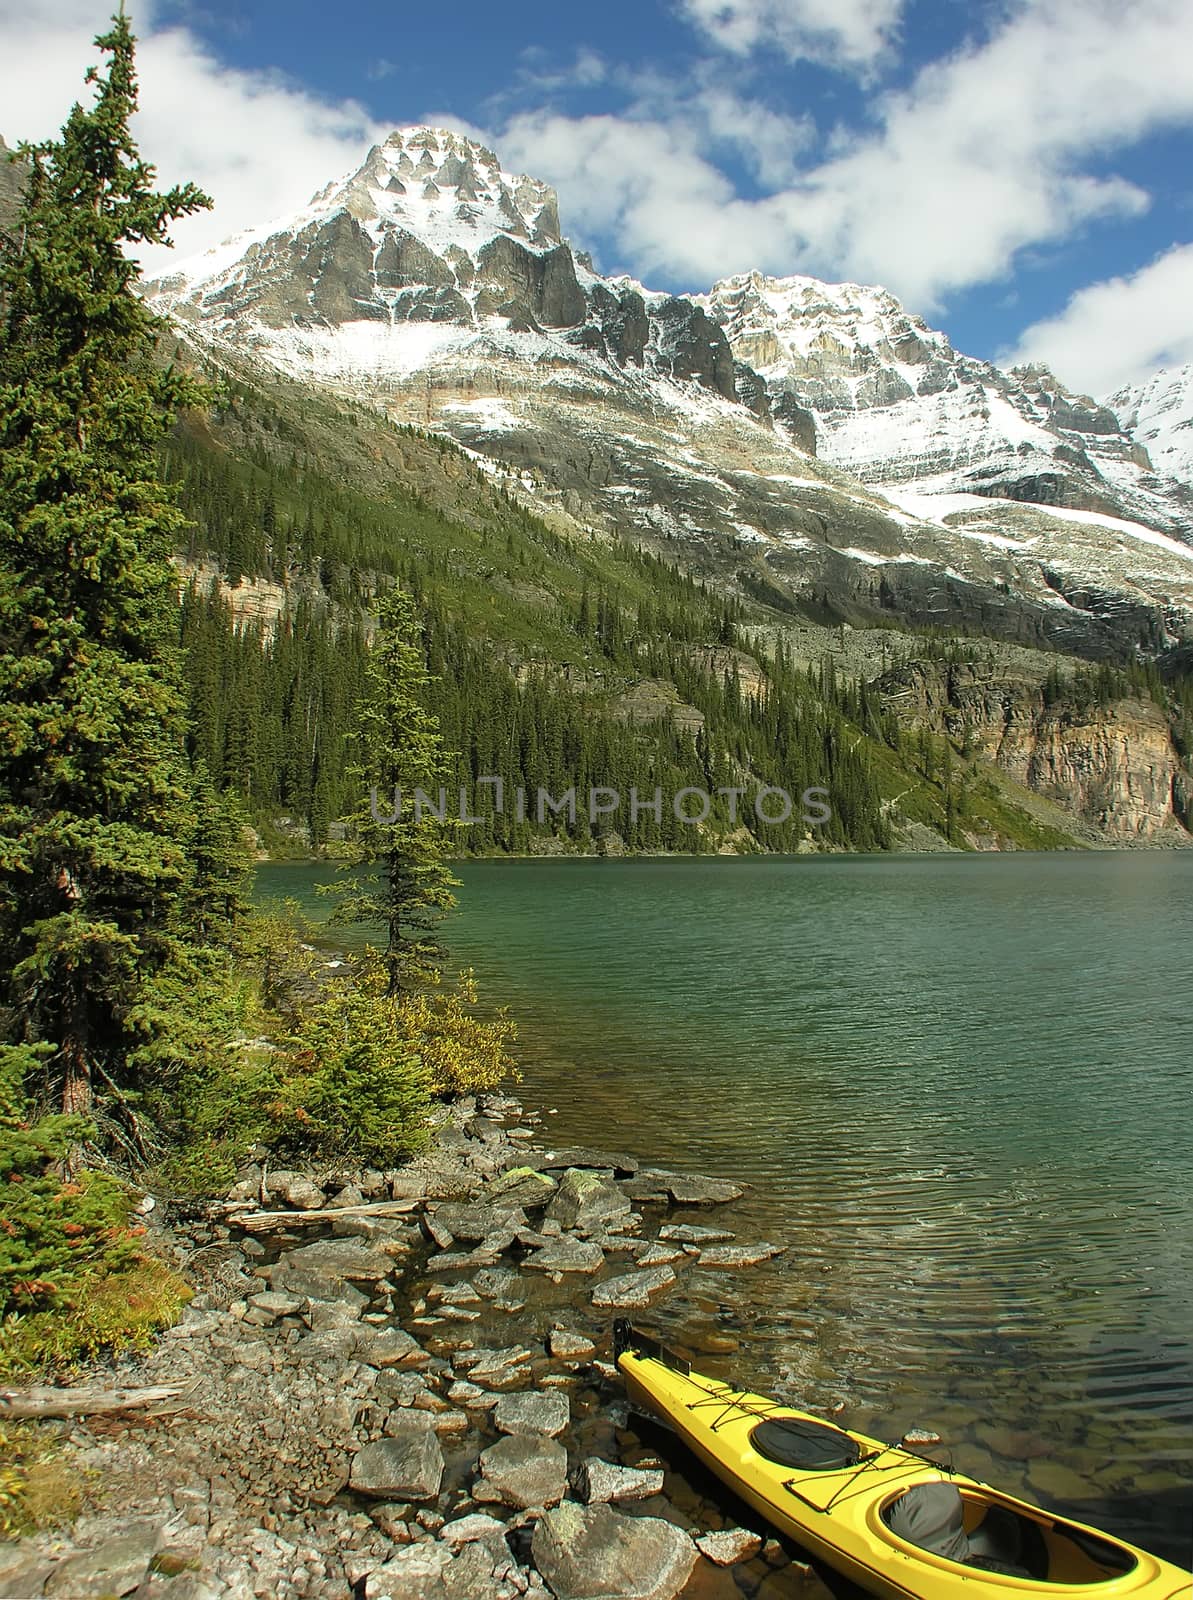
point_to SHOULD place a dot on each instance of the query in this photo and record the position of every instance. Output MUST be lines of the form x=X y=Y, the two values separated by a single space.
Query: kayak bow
x=835 y=1493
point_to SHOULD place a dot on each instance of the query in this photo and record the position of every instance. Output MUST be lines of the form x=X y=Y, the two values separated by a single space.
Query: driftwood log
x=262 y=1221
x=50 y=1402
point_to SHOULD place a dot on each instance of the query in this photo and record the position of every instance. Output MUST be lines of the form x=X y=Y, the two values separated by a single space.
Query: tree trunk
x=76 y=1083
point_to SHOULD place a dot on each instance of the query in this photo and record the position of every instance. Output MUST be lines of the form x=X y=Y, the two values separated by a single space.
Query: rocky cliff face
x=895 y=403
x=1114 y=766
x=12 y=177
x=1159 y=414
x=437 y=286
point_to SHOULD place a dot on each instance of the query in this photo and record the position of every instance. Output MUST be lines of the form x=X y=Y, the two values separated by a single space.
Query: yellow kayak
x=893 y=1522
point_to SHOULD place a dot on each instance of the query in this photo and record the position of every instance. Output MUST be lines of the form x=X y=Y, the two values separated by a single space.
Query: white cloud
x=670 y=210
x=260 y=145
x=1119 y=331
x=987 y=152
x=841 y=33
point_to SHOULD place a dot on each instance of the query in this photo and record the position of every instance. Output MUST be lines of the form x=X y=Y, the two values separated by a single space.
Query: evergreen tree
x=93 y=776
x=399 y=752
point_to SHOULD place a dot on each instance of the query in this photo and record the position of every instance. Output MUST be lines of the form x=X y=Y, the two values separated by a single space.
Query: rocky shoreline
x=398 y=1384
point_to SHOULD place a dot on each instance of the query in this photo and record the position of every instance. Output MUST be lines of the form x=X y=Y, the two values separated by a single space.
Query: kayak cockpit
x=999 y=1536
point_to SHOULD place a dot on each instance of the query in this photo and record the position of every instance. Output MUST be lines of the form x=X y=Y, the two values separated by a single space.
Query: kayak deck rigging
x=898 y=1523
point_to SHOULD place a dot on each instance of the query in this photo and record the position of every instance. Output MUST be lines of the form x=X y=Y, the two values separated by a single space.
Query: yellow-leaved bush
x=461 y=1052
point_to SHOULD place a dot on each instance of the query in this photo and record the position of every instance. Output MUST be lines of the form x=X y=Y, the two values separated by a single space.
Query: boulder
x=467 y=1530
x=463 y=1393
x=541 y=1413
x=272 y=1304
x=598 y=1482
x=729 y=1546
x=633 y=1290
x=592 y=1552
x=23 y=1571
x=413 y=1573
x=522 y=1470
x=408 y=1466
x=115 y=1567
x=567 y=1255
x=294 y=1189
x=586 y=1201
x=322 y=1269
x=522 y=1186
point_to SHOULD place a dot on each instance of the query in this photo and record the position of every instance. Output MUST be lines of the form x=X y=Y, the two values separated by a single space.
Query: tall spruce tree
x=95 y=793
x=398 y=752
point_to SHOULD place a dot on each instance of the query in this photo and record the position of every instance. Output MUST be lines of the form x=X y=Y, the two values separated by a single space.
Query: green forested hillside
x=558 y=660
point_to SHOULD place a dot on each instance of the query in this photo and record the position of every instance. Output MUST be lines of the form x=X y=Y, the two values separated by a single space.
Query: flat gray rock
x=408 y=1466
x=661 y=1255
x=566 y=1255
x=390 y=1347
x=522 y=1471
x=633 y=1290
x=574 y=1155
x=689 y=1189
x=537 y=1412
x=115 y=1567
x=477 y=1221
x=740 y=1255
x=592 y=1553
x=729 y=1546
x=568 y=1345
x=691 y=1233
x=598 y=1482
x=330 y=1267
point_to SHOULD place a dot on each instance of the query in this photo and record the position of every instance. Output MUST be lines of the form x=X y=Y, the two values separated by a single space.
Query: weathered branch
x=50 y=1402
x=261 y=1221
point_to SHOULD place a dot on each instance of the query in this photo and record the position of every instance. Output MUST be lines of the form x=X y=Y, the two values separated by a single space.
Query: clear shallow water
x=960 y=1089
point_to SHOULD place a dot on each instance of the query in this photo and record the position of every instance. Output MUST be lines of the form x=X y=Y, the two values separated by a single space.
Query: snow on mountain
x=1159 y=414
x=894 y=402
x=438 y=287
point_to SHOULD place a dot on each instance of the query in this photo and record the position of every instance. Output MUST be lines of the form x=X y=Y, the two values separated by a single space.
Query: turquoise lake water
x=960 y=1090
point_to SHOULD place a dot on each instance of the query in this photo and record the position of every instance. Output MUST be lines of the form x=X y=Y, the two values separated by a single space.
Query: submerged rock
x=634 y=1289
x=567 y=1255
x=740 y=1255
x=568 y=1345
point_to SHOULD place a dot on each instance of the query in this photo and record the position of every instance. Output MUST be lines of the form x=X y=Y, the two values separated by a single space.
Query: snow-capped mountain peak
x=422 y=190
x=895 y=403
x=1159 y=413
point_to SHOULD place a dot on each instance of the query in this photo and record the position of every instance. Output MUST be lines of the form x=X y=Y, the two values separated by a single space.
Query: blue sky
x=1017 y=172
